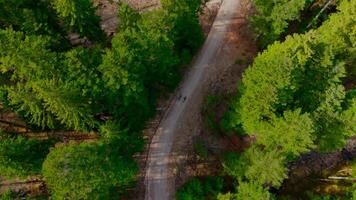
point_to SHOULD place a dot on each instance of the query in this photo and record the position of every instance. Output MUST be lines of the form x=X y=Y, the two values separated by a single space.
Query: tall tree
x=263 y=167
x=79 y=16
x=87 y=171
x=303 y=73
x=292 y=99
x=186 y=33
x=33 y=18
x=50 y=88
x=272 y=17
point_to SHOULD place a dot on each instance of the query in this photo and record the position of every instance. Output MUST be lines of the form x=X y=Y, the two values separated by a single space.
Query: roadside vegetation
x=273 y=20
x=297 y=97
x=103 y=87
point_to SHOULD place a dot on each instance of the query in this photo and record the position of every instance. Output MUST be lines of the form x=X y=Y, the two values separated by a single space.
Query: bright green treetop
x=87 y=171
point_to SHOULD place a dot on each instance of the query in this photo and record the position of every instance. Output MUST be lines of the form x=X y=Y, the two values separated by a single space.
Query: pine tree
x=33 y=18
x=40 y=90
x=79 y=16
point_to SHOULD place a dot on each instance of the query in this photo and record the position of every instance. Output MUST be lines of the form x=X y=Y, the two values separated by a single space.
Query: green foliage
x=20 y=157
x=127 y=93
x=235 y=165
x=227 y=196
x=292 y=99
x=42 y=92
x=145 y=43
x=290 y=134
x=200 y=149
x=87 y=171
x=252 y=191
x=53 y=18
x=195 y=189
x=33 y=18
x=143 y=58
x=301 y=79
x=62 y=100
x=53 y=86
x=263 y=167
x=232 y=119
x=128 y=17
x=273 y=17
x=186 y=32
x=191 y=190
x=209 y=112
x=67 y=89
x=79 y=16
x=7 y=195
x=25 y=58
x=127 y=143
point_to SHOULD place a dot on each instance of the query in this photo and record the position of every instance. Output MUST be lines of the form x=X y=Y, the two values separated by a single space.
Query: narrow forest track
x=159 y=178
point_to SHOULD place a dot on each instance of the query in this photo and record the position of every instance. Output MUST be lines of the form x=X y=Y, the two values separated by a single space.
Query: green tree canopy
x=293 y=99
x=46 y=87
x=87 y=171
x=272 y=17
x=252 y=191
x=186 y=32
x=33 y=18
x=144 y=58
x=54 y=86
x=264 y=167
x=79 y=16
x=301 y=75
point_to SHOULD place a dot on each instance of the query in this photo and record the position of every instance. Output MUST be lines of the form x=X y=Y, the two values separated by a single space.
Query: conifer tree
x=79 y=16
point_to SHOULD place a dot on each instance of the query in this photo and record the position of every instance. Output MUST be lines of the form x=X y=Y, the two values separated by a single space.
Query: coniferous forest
x=107 y=89
x=72 y=114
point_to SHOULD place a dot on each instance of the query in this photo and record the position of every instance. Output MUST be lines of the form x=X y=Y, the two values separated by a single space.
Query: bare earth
x=160 y=171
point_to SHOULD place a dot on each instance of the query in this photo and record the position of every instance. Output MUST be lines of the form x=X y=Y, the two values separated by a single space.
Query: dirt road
x=159 y=176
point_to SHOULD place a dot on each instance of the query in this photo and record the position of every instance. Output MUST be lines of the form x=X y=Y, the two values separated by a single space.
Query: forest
x=72 y=115
x=105 y=88
x=296 y=99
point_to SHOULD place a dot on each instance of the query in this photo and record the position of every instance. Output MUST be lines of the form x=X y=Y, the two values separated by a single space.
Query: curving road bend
x=159 y=178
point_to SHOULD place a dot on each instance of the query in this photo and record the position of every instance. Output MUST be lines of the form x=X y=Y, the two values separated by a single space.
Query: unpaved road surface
x=159 y=177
